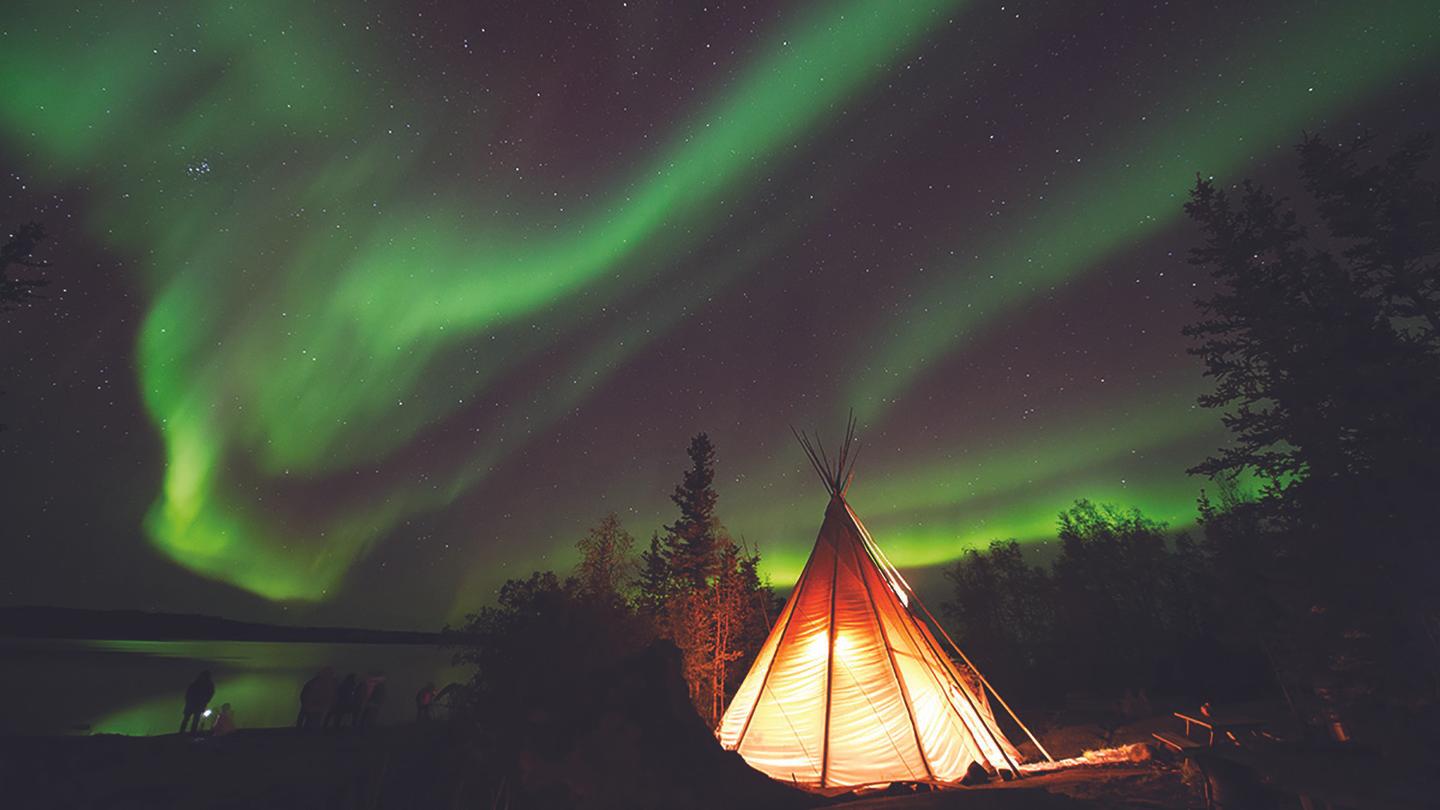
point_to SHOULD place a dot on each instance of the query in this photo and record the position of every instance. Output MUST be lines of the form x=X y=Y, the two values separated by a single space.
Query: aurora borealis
x=365 y=312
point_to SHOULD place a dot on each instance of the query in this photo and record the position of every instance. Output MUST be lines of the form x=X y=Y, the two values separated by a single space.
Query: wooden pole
x=983 y=681
x=963 y=657
x=895 y=670
x=793 y=605
x=829 y=669
x=922 y=640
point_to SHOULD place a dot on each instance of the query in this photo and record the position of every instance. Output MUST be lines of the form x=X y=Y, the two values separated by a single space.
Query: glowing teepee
x=852 y=688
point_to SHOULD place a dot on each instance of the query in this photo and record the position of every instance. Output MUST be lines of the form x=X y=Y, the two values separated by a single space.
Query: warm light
x=807 y=717
x=904 y=599
x=819 y=646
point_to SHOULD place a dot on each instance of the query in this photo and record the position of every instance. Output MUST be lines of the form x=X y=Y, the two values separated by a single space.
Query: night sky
x=361 y=308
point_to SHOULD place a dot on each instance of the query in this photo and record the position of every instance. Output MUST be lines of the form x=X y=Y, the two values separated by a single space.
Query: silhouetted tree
x=718 y=627
x=695 y=532
x=703 y=590
x=758 y=606
x=1326 y=365
x=1111 y=580
x=657 y=580
x=1190 y=587
x=536 y=654
x=1389 y=216
x=1122 y=607
x=1003 y=609
x=1326 y=361
x=1256 y=596
x=681 y=557
x=736 y=602
x=546 y=634
x=606 y=567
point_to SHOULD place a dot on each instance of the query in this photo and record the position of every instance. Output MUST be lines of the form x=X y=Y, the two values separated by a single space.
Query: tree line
x=1123 y=607
x=1323 y=342
x=694 y=586
x=1324 y=347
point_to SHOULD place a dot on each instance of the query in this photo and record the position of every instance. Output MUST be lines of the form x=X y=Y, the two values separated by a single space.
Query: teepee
x=851 y=688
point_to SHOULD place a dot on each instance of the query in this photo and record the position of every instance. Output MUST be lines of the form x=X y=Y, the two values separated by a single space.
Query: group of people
x=353 y=702
x=325 y=704
x=197 y=702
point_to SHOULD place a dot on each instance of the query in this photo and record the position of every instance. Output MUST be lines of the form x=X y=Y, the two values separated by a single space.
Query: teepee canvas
x=851 y=688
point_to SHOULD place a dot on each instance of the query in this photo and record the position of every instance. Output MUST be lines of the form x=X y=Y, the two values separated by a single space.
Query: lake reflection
x=63 y=686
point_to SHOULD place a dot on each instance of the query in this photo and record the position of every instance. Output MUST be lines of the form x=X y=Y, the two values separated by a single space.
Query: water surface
x=71 y=686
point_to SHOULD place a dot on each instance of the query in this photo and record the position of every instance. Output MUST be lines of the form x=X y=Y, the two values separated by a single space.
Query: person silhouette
x=423 y=699
x=224 y=722
x=374 y=701
x=197 y=697
x=317 y=697
x=346 y=705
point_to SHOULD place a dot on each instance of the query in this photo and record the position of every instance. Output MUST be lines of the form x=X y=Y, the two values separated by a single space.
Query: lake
x=73 y=686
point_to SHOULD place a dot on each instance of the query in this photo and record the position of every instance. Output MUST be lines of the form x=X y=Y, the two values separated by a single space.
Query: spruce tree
x=704 y=592
x=657 y=574
x=693 y=535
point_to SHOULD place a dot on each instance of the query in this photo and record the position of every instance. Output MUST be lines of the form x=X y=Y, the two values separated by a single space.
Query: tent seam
x=895 y=669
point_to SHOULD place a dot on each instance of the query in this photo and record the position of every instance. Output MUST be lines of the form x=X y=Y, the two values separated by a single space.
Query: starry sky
x=360 y=309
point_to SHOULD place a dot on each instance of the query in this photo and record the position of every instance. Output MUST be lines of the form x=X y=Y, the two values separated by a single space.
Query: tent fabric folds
x=851 y=688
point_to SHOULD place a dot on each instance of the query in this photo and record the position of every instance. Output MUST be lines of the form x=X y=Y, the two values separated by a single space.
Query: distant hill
x=138 y=625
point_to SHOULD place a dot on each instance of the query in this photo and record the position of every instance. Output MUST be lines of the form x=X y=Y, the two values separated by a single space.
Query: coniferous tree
x=656 y=583
x=703 y=591
x=694 y=534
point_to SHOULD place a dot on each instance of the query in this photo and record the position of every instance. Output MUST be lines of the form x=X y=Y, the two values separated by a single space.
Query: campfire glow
x=1136 y=752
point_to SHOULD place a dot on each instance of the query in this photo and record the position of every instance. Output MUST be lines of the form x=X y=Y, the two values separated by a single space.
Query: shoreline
x=81 y=624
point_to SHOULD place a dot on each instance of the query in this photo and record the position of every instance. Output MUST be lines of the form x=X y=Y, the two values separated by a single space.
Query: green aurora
x=1218 y=124
x=341 y=334
x=316 y=316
